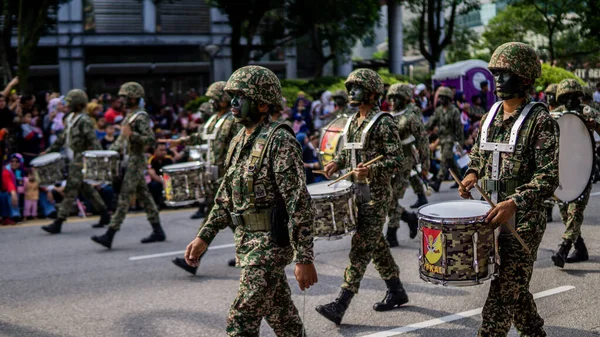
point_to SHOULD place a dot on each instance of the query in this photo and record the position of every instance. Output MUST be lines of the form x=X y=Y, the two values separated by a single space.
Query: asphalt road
x=65 y=285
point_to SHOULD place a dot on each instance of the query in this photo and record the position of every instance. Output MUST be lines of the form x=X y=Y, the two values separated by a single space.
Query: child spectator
x=32 y=195
x=299 y=124
x=32 y=138
x=101 y=128
x=109 y=136
x=9 y=200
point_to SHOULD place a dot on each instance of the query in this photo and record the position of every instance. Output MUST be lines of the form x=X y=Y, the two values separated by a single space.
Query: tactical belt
x=504 y=186
x=253 y=221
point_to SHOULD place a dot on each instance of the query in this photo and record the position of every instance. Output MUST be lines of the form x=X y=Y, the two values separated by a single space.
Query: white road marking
x=455 y=317
x=178 y=252
x=595 y=193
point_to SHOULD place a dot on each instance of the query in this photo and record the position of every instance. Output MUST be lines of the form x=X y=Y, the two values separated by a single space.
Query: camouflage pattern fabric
x=416 y=184
x=205 y=108
x=445 y=91
x=216 y=91
x=76 y=97
x=82 y=137
x=134 y=182
x=263 y=293
x=567 y=86
x=132 y=90
x=450 y=130
x=181 y=186
x=509 y=300
x=476 y=112
x=367 y=78
x=551 y=89
x=341 y=94
x=337 y=222
x=518 y=58
x=396 y=210
x=257 y=83
x=369 y=243
x=401 y=90
x=572 y=215
x=51 y=173
x=101 y=168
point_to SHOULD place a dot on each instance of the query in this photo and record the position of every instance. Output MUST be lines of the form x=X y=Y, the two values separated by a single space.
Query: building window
x=183 y=17
x=113 y=16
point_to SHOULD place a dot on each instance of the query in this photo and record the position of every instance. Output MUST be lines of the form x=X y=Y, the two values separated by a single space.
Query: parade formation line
x=178 y=252
x=456 y=317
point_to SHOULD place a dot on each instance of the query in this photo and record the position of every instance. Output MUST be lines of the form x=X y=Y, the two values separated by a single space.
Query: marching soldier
x=447 y=118
x=79 y=136
x=382 y=137
x=340 y=97
x=551 y=96
x=518 y=190
x=219 y=130
x=587 y=98
x=136 y=136
x=567 y=94
x=416 y=151
x=264 y=193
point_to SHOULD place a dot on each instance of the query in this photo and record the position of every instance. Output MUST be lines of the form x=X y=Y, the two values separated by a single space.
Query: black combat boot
x=55 y=227
x=435 y=184
x=413 y=222
x=548 y=214
x=335 y=310
x=179 y=262
x=199 y=214
x=580 y=252
x=231 y=262
x=560 y=257
x=157 y=234
x=422 y=200
x=106 y=239
x=390 y=236
x=104 y=220
x=394 y=297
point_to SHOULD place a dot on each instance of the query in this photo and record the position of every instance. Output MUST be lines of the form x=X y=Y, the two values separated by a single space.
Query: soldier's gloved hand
x=500 y=214
x=330 y=169
x=468 y=182
x=194 y=250
x=306 y=275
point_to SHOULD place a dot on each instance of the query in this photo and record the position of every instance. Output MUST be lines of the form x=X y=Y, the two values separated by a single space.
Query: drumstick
x=318 y=171
x=484 y=195
x=367 y=164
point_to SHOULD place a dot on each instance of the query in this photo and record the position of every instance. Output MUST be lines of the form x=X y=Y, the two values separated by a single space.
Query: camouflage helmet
x=445 y=91
x=400 y=89
x=205 y=108
x=551 y=89
x=132 y=90
x=257 y=83
x=341 y=94
x=588 y=92
x=368 y=78
x=76 y=97
x=567 y=86
x=216 y=92
x=518 y=58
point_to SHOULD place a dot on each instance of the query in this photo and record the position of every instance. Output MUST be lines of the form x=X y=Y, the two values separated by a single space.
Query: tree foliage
x=552 y=74
x=462 y=42
x=513 y=24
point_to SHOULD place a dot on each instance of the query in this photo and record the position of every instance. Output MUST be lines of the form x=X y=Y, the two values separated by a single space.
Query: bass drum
x=330 y=143
x=576 y=157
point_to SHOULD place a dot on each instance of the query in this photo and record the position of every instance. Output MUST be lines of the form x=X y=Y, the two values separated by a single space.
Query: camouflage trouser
x=74 y=186
x=134 y=183
x=368 y=243
x=396 y=210
x=509 y=300
x=263 y=293
x=447 y=161
x=417 y=184
x=572 y=215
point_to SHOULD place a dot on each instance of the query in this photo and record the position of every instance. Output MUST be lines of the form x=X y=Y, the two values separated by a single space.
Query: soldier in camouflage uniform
x=587 y=97
x=340 y=97
x=368 y=244
x=79 y=136
x=551 y=96
x=221 y=106
x=450 y=130
x=416 y=147
x=568 y=95
x=264 y=174
x=136 y=136
x=527 y=175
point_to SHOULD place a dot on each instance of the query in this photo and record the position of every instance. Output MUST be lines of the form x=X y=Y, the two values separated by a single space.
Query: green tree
x=462 y=42
x=514 y=23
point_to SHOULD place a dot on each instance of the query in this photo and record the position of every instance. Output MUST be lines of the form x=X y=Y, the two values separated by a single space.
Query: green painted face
x=397 y=103
x=214 y=106
x=245 y=110
x=357 y=95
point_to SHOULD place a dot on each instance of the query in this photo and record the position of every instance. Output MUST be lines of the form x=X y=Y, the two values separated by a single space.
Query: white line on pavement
x=455 y=317
x=595 y=193
x=179 y=252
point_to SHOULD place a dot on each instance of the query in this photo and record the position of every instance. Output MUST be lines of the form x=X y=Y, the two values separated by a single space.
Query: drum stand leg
x=475 y=259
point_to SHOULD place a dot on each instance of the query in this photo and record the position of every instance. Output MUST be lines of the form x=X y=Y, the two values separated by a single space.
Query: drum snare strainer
x=457 y=247
x=336 y=209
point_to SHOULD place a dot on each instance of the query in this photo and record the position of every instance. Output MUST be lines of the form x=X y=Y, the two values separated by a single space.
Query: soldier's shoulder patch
x=260 y=191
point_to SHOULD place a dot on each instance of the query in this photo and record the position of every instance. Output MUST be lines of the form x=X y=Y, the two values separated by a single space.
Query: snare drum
x=330 y=143
x=100 y=166
x=184 y=183
x=336 y=209
x=49 y=168
x=458 y=248
x=198 y=152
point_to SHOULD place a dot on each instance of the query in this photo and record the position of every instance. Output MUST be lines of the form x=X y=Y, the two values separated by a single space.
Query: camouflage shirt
x=282 y=172
x=82 y=137
x=141 y=137
x=383 y=139
x=411 y=125
x=537 y=166
x=450 y=128
x=476 y=112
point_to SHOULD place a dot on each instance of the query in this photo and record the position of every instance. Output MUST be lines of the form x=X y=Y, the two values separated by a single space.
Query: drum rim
x=452 y=220
x=593 y=142
x=337 y=193
x=454 y=283
x=53 y=155
x=195 y=165
x=183 y=203
x=100 y=153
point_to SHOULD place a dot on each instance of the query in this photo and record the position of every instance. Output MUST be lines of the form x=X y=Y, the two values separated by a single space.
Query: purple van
x=466 y=76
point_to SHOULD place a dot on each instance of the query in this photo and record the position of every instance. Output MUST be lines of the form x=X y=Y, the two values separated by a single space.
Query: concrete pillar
x=291 y=59
x=149 y=16
x=70 y=57
x=344 y=65
x=395 y=38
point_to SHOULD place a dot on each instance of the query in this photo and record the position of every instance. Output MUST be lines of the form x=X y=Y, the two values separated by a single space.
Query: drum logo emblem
x=168 y=186
x=432 y=245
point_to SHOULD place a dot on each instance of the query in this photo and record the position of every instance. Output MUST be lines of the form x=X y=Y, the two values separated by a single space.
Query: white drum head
x=321 y=189
x=45 y=159
x=455 y=209
x=576 y=157
x=100 y=153
x=182 y=166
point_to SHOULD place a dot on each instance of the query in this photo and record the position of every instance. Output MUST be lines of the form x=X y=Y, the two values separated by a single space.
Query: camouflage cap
x=132 y=90
x=588 y=92
x=400 y=89
x=568 y=85
x=216 y=92
x=368 y=78
x=340 y=94
x=205 y=108
x=445 y=91
x=76 y=96
x=257 y=83
x=518 y=58
x=551 y=89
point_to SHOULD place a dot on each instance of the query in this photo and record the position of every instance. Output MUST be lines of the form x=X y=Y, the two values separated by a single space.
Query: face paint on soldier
x=129 y=102
x=357 y=95
x=509 y=85
x=245 y=110
x=570 y=101
x=551 y=98
x=397 y=103
x=444 y=100
x=214 y=106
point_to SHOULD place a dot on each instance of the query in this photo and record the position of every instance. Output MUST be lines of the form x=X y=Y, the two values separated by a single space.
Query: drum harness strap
x=125 y=142
x=255 y=219
x=210 y=137
x=364 y=137
x=70 y=123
